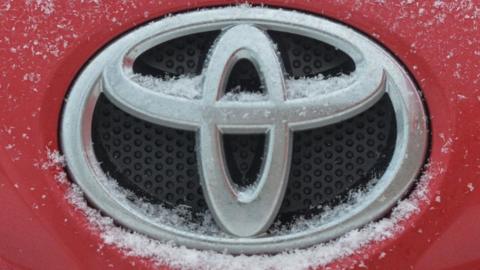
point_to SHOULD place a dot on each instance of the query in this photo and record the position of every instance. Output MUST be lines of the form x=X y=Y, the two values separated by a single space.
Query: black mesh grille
x=160 y=163
x=330 y=161
x=306 y=57
x=177 y=57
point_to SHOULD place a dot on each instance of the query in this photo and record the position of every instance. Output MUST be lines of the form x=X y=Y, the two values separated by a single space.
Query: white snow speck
x=470 y=187
x=447 y=144
x=9 y=146
x=33 y=77
x=54 y=160
x=382 y=255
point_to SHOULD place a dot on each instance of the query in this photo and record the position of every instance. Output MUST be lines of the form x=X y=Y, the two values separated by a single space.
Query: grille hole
x=244 y=156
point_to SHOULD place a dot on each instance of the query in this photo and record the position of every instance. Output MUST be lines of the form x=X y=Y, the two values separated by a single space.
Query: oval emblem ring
x=243 y=215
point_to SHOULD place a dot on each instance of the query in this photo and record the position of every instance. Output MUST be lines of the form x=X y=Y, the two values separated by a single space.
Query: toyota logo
x=245 y=215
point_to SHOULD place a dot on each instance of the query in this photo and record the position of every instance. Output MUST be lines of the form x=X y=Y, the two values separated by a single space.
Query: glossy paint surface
x=44 y=44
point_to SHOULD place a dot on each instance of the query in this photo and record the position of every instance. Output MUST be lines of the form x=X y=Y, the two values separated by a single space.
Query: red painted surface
x=43 y=46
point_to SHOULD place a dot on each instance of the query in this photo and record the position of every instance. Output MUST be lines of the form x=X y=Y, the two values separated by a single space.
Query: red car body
x=44 y=44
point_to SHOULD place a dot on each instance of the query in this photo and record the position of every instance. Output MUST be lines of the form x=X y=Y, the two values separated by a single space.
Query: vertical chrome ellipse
x=243 y=213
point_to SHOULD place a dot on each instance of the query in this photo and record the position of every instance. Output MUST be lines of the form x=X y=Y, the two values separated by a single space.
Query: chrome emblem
x=245 y=215
x=236 y=213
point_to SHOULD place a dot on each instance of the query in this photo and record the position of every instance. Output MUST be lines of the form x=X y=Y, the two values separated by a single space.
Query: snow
x=246 y=193
x=167 y=253
x=54 y=159
x=179 y=217
x=327 y=214
x=447 y=144
x=319 y=85
x=235 y=95
x=190 y=87
x=45 y=6
x=9 y=146
x=32 y=76
x=183 y=86
x=382 y=255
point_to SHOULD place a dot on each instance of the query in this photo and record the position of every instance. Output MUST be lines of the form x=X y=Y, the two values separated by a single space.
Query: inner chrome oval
x=254 y=214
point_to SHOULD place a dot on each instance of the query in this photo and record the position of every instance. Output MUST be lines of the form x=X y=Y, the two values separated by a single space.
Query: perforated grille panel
x=160 y=163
